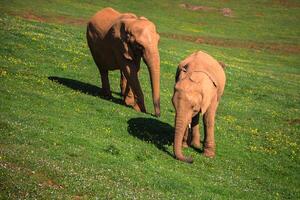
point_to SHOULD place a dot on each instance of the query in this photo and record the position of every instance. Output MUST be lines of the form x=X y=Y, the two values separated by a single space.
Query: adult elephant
x=119 y=41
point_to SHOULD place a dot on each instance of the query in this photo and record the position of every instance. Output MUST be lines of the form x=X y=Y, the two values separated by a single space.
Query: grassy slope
x=58 y=142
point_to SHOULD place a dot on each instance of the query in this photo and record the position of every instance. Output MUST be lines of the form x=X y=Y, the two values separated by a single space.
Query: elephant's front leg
x=133 y=95
x=209 y=123
x=126 y=91
x=195 y=131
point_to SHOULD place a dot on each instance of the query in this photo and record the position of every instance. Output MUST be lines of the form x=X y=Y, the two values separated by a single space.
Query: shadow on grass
x=85 y=88
x=153 y=131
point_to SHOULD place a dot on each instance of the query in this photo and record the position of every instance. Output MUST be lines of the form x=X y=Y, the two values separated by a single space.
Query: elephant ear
x=125 y=38
x=177 y=74
x=181 y=73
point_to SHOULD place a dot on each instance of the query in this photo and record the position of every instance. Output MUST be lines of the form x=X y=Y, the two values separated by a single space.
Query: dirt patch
x=50 y=183
x=39 y=176
x=31 y=16
x=195 y=7
x=222 y=42
x=286 y=3
x=52 y=19
x=72 y=21
x=274 y=47
x=226 y=12
x=294 y=121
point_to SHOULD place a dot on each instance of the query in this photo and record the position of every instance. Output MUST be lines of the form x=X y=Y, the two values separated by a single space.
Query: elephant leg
x=209 y=123
x=196 y=132
x=126 y=92
x=103 y=72
x=134 y=86
x=105 y=83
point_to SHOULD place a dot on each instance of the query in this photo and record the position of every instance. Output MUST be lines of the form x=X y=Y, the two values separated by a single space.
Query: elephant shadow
x=153 y=131
x=85 y=88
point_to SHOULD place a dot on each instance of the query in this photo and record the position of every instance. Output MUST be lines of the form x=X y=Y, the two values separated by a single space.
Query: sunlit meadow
x=60 y=140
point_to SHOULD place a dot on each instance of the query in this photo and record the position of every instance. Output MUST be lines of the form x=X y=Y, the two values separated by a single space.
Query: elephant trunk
x=180 y=128
x=152 y=60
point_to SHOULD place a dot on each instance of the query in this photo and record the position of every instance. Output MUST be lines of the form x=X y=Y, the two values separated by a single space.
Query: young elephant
x=200 y=82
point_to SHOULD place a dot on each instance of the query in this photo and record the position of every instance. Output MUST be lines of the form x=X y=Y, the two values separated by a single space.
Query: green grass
x=60 y=140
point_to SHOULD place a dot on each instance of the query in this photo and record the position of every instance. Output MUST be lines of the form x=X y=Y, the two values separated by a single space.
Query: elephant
x=199 y=85
x=118 y=41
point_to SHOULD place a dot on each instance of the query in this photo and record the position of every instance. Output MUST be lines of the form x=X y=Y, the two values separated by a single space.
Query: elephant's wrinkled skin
x=200 y=82
x=119 y=41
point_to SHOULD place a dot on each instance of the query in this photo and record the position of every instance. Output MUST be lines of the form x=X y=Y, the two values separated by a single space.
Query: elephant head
x=140 y=40
x=200 y=82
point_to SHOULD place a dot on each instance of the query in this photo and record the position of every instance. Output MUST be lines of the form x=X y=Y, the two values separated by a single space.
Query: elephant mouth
x=138 y=50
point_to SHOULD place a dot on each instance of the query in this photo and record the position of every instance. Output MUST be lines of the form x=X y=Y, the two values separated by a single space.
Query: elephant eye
x=138 y=46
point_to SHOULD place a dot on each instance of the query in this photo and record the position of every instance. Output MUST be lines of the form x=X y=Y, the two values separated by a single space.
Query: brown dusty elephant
x=200 y=82
x=119 y=41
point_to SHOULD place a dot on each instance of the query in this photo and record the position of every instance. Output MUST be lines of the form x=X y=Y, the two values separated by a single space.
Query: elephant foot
x=196 y=144
x=209 y=150
x=107 y=95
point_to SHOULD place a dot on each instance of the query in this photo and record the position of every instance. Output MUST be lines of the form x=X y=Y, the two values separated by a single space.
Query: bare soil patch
x=226 y=12
x=31 y=16
x=39 y=176
x=294 y=121
x=53 y=19
x=223 y=42
x=286 y=3
x=52 y=184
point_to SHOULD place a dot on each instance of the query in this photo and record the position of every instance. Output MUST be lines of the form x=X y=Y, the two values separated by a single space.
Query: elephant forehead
x=185 y=86
x=144 y=26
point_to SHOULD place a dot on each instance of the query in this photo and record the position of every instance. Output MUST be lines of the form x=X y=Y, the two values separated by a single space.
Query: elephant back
x=103 y=20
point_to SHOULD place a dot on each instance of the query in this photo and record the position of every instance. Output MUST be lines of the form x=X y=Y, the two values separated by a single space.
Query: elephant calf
x=200 y=82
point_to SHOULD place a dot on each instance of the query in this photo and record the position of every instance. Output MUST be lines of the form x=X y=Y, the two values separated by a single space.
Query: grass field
x=60 y=140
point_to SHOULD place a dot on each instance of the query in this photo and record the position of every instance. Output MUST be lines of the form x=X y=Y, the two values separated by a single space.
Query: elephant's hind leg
x=103 y=72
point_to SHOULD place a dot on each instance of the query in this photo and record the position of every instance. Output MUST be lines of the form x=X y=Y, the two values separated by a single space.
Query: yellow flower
x=3 y=72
